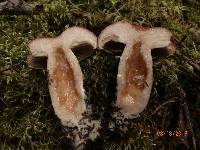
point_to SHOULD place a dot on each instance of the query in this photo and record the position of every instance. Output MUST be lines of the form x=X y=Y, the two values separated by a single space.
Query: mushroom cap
x=126 y=33
x=75 y=36
x=68 y=39
x=40 y=47
x=118 y=32
x=159 y=38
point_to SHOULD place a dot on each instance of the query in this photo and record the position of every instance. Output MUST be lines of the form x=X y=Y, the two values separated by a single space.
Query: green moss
x=27 y=119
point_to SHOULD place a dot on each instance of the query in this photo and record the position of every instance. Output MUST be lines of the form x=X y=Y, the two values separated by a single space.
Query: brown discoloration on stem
x=136 y=72
x=63 y=81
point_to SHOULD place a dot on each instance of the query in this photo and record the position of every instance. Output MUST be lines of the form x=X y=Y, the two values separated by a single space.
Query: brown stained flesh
x=140 y=28
x=136 y=72
x=64 y=83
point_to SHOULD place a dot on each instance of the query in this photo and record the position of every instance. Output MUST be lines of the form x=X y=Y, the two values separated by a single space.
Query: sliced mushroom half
x=64 y=72
x=135 y=73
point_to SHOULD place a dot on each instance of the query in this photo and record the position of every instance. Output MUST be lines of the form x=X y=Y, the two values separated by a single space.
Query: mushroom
x=135 y=73
x=64 y=73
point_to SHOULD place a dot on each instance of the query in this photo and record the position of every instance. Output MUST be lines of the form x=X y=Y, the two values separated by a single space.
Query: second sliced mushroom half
x=135 y=73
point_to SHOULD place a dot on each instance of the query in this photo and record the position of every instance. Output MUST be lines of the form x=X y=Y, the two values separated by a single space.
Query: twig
x=182 y=40
x=107 y=51
x=7 y=72
x=187 y=115
x=188 y=60
x=181 y=130
x=164 y=116
x=3 y=70
x=163 y=104
x=194 y=65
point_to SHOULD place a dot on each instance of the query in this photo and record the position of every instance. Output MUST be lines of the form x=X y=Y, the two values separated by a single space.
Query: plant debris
x=27 y=119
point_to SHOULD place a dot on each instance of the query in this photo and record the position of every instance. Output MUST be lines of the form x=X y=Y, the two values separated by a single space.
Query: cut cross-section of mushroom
x=135 y=73
x=64 y=72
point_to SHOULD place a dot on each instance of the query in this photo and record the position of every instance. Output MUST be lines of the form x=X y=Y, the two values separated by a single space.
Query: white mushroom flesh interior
x=66 y=98
x=131 y=96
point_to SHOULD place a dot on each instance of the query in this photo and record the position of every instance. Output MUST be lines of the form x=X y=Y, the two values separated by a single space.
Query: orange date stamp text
x=175 y=133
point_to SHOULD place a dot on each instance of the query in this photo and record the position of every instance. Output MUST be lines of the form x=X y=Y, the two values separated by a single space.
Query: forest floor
x=27 y=119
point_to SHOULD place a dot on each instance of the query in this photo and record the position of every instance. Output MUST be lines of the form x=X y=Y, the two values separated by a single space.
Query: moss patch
x=27 y=119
